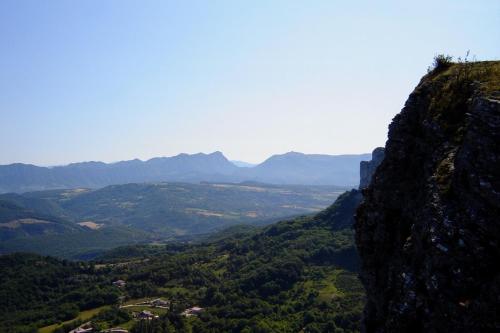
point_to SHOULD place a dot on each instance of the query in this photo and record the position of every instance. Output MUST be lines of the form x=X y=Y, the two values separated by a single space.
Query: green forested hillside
x=80 y=223
x=18 y=221
x=83 y=244
x=291 y=276
x=184 y=208
x=36 y=291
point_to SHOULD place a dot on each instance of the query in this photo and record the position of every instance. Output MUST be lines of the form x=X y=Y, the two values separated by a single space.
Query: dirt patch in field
x=17 y=223
x=203 y=212
x=90 y=225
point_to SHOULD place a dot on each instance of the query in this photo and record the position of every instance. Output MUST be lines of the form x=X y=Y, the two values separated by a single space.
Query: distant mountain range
x=289 y=168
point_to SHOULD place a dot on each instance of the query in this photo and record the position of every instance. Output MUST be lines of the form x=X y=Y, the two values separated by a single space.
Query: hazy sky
x=113 y=80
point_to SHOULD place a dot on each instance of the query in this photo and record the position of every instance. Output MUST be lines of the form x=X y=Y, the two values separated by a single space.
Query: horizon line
x=175 y=155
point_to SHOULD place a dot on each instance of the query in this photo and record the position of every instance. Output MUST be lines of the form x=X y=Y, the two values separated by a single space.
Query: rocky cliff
x=367 y=168
x=428 y=230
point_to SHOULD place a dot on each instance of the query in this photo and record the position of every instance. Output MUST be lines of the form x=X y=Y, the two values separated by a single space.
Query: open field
x=84 y=315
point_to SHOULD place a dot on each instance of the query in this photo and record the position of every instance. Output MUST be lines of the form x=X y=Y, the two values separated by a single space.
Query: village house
x=147 y=315
x=159 y=303
x=195 y=310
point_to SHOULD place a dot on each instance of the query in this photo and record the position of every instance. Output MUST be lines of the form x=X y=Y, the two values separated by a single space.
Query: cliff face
x=367 y=168
x=428 y=230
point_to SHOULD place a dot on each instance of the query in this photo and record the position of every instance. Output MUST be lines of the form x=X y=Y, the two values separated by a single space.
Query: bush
x=440 y=63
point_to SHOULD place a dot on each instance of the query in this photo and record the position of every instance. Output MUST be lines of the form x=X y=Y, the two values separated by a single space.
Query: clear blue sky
x=113 y=80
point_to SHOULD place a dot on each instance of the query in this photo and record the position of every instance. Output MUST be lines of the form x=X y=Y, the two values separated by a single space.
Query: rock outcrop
x=367 y=168
x=428 y=230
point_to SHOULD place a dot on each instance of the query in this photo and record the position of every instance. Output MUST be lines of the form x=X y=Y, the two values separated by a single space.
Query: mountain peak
x=218 y=154
x=294 y=153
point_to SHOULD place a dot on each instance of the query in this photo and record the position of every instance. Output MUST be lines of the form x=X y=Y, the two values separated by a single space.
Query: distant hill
x=289 y=168
x=18 y=221
x=182 y=168
x=313 y=169
x=76 y=222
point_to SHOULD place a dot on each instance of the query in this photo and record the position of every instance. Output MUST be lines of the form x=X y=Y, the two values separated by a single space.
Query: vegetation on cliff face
x=428 y=231
x=290 y=276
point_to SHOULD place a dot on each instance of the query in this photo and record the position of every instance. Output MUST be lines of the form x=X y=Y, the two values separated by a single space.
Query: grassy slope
x=83 y=315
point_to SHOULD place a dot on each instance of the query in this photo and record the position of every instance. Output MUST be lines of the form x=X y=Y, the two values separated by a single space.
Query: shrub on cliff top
x=441 y=62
